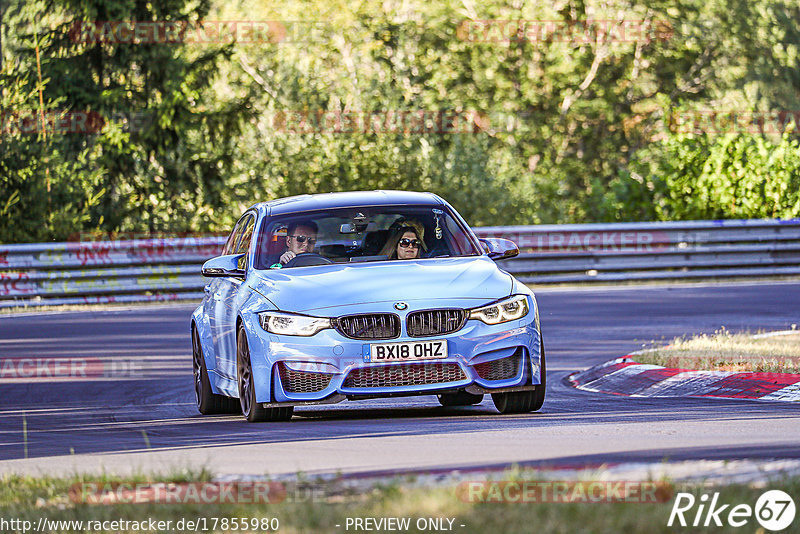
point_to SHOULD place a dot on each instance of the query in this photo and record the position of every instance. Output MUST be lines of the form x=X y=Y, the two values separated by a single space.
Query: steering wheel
x=307 y=259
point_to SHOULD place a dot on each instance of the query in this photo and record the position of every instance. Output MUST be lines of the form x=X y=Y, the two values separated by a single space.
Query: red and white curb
x=624 y=376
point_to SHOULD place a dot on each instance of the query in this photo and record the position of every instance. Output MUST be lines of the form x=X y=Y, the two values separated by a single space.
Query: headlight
x=515 y=307
x=292 y=325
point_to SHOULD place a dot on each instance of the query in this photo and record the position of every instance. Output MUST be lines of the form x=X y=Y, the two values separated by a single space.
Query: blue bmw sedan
x=318 y=299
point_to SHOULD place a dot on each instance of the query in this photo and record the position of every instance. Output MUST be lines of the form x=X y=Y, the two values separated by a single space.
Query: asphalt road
x=143 y=418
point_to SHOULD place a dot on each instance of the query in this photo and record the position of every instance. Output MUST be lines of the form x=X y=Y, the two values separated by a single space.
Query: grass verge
x=724 y=351
x=327 y=508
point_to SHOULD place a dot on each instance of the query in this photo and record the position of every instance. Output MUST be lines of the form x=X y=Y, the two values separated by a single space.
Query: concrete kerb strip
x=623 y=376
x=710 y=472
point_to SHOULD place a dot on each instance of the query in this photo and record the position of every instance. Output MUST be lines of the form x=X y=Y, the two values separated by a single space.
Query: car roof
x=349 y=199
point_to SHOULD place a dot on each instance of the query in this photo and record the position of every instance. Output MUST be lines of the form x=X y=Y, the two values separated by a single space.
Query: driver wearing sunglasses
x=301 y=237
x=405 y=242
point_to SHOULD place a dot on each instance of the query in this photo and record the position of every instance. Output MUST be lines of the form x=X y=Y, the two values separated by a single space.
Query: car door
x=213 y=297
x=225 y=311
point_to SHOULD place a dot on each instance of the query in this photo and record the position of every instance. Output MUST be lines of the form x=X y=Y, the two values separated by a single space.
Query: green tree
x=160 y=162
x=566 y=129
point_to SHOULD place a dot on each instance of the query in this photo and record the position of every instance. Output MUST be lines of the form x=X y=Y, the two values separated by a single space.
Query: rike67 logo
x=774 y=510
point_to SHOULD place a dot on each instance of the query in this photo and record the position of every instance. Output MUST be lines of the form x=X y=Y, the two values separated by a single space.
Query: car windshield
x=344 y=235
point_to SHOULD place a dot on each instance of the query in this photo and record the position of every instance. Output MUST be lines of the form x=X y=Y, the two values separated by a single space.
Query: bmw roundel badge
x=400 y=306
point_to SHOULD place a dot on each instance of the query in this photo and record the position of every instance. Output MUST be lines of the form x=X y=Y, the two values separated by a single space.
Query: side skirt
x=226 y=386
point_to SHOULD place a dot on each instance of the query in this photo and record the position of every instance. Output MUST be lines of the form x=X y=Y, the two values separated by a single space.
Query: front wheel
x=523 y=401
x=538 y=394
x=252 y=410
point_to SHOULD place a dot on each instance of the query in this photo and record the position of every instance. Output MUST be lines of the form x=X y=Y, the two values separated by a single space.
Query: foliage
x=42 y=199
x=560 y=131
x=734 y=176
x=159 y=161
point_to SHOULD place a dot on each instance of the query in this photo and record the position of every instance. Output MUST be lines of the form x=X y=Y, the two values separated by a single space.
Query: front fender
x=258 y=342
x=203 y=326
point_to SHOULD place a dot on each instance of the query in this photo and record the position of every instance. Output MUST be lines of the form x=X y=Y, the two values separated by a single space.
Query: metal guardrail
x=97 y=272
x=652 y=251
x=168 y=269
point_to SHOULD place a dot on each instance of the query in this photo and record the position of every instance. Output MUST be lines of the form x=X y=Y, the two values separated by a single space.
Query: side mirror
x=499 y=249
x=223 y=266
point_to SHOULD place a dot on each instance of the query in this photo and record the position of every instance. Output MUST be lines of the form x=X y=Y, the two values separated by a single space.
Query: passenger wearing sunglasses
x=405 y=242
x=300 y=238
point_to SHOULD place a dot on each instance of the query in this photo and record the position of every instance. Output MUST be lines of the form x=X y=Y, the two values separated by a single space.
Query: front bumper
x=329 y=367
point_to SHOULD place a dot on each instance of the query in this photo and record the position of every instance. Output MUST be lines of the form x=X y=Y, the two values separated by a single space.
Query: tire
x=514 y=402
x=538 y=394
x=460 y=398
x=208 y=402
x=252 y=410
x=523 y=401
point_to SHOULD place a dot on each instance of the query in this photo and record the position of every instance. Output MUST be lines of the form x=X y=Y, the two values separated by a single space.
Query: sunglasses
x=406 y=242
x=302 y=239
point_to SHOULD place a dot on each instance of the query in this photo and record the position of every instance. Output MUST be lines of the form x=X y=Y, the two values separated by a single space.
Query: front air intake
x=414 y=374
x=502 y=369
x=301 y=381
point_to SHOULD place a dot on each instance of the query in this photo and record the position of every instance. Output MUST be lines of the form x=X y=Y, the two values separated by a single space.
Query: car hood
x=303 y=289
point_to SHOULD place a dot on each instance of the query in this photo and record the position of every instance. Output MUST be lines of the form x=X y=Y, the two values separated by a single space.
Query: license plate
x=408 y=352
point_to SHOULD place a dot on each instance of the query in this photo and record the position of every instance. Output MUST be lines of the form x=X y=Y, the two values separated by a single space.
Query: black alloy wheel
x=523 y=401
x=253 y=411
